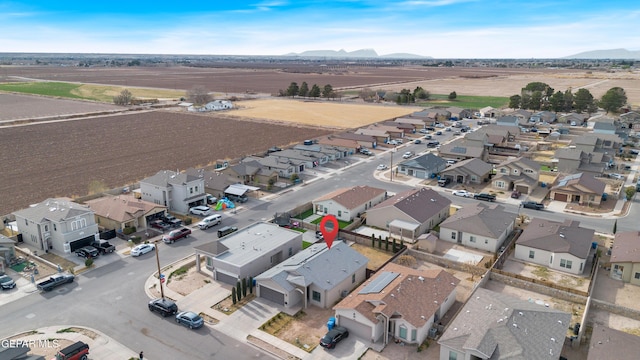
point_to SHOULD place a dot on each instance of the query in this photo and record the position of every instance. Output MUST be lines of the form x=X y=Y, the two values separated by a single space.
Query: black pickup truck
x=104 y=247
x=485 y=197
x=54 y=281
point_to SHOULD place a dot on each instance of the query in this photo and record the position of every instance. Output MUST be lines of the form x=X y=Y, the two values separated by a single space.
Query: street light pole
x=159 y=272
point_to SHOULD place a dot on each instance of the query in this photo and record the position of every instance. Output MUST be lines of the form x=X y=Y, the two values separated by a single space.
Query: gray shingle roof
x=427 y=162
x=55 y=210
x=626 y=247
x=168 y=177
x=420 y=205
x=588 y=181
x=557 y=237
x=607 y=343
x=481 y=219
x=503 y=327
x=473 y=166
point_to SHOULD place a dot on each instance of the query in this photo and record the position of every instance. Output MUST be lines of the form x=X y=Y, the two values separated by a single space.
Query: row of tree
x=541 y=96
x=315 y=92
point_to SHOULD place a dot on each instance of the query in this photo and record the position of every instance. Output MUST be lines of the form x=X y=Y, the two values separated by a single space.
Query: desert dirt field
x=63 y=158
x=17 y=107
x=331 y=114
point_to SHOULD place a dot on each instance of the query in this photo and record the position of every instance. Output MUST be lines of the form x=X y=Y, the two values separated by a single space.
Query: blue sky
x=437 y=28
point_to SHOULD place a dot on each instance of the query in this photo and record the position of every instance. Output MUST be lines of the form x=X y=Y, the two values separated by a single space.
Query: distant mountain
x=607 y=54
x=362 y=53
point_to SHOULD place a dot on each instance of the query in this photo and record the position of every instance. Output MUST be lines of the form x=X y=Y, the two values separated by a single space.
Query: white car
x=202 y=210
x=381 y=167
x=463 y=193
x=617 y=176
x=407 y=155
x=142 y=249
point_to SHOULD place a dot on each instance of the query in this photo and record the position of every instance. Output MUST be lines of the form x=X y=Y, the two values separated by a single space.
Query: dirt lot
x=376 y=257
x=63 y=158
x=16 y=107
x=543 y=273
x=324 y=113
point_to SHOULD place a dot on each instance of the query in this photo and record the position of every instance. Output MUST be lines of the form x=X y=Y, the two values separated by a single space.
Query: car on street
x=438 y=132
x=201 y=210
x=433 y=144
x=428 y=137
x=333 y=337
x=616 y=176
x=463 y=193
x=319 y=234
x=381 y=167
x=532 y=205
x=417 y=141
x=142 y=249
x=176 y=235
x=87 y=252
x=163 y=306
x=424 y=131
x=485 y=197
x=7 y=282
x=408 y=154
x=190 y=319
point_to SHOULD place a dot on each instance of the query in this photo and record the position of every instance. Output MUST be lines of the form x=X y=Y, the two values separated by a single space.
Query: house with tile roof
x=517 y=173
x=563 y=246
x=496 y=326
x=57 y=224
x=348 y=203
x=410 y=213
x=125 y=210
x=177 y=191
x=625 y=257
x=479 y=226
x=316 y=276
x=608 y=343
x=397 y=303
x=425 y=166
x=248 y=252
x=470 y=171
x=581 y=188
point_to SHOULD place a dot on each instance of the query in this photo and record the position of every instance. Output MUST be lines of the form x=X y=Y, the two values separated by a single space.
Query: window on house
x=414 y=334
x=581 y=264
x=500 y=184
x=472 y=239
x=551 y=259
x=353 y=278
x=315 y=296
x=190 y=190
x=503 y=170
x=196 y=188
x=290 y=251
x=403 y=332
x=637 y=275
x=55 y=228
x=453 y=235
x=453 y=355
x=565 y=263
x=339 y=213
x=26 y=222
x=532 y=254
x=46 y=228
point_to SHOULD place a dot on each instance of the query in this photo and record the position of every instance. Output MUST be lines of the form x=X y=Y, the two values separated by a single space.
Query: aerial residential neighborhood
x=461 y=231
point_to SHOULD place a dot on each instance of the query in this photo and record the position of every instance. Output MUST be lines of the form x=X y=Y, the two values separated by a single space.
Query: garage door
x=227 y=279
x=355 y=328
x=560 y=197
x=522 y=188
x=271 y=295
x=75 y=245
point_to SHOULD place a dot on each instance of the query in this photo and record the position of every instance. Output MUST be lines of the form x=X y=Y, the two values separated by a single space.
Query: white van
x=210 y=221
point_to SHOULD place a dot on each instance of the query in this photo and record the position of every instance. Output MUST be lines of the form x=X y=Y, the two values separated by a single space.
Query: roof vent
x=421 y=278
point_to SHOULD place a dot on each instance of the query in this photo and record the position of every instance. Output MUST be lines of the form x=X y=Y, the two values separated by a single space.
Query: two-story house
x=177 y=191
x=57 y=224
x=348 y=203
x=520 y=174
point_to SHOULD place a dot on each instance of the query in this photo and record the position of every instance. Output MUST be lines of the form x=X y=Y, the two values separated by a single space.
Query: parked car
x=160 y=225
x=485 y=197
x=202 y=210
x=432 y=144
x=451 y=162
x=428 y=137
x=417 y=141
x=163 y=306
x=211 y=199
x=87 y=252
x=210 y=221
x=616 y=176
x=142 y=249
x=226 y=231
x=424 y=131
x=444 y=181
x=104 y=247
x=448 y=129
x=532 y=205
x=393 y=142
x=515 y=194
x=75 y=351
x=333 y=337
x=463 y=193
x=6 y=282
x=54 y=281
x=319 y=234
x=438 y=132
x=381 y=167
x=176 y=235
x=407 y=155
x=190 y=319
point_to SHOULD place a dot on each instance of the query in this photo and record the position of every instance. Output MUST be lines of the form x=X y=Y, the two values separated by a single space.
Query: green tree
x=327 y=91
x=568 y=101
x=244 y=287
x=615 y=226
x=124 y=98
x=304 y=89
x=582 y=100
x=239 y=290
x=536 y=100
x=629 y=192
x=367 y=94
x=453 y=95
x=525 y=101
x=315 y=91
x=538 y=86
x=293 y=89
x=250 y=284
x=515 y=101
x=420 y=93
x=234 y=298
x=613 y=99
x=557 y=101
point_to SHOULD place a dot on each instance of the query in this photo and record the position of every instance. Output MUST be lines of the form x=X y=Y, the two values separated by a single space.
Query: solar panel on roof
x=459 y=150
x=379 y=283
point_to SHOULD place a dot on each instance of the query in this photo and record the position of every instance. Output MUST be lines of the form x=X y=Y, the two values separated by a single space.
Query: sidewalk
x=43 y=341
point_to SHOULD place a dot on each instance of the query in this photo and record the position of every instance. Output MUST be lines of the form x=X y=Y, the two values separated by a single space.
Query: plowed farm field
x=63 y=158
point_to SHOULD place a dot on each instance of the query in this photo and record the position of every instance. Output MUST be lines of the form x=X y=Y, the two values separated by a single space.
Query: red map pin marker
x=329 y=233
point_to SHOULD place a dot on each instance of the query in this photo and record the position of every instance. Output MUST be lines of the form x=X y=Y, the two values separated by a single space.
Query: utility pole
x=391 y=167
x=159 y=272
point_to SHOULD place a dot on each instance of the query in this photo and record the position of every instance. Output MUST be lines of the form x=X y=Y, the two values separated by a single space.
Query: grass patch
x=541 y=272
x=58 y=89
x=465 y=101
x=306 y=244
x=341 y=224
x=180 y=271
x=305 y=214
x=67 y=330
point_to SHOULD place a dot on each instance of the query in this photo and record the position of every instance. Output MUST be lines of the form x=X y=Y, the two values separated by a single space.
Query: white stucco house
x=177 y=191
x=348 y=203
x=57 y=224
